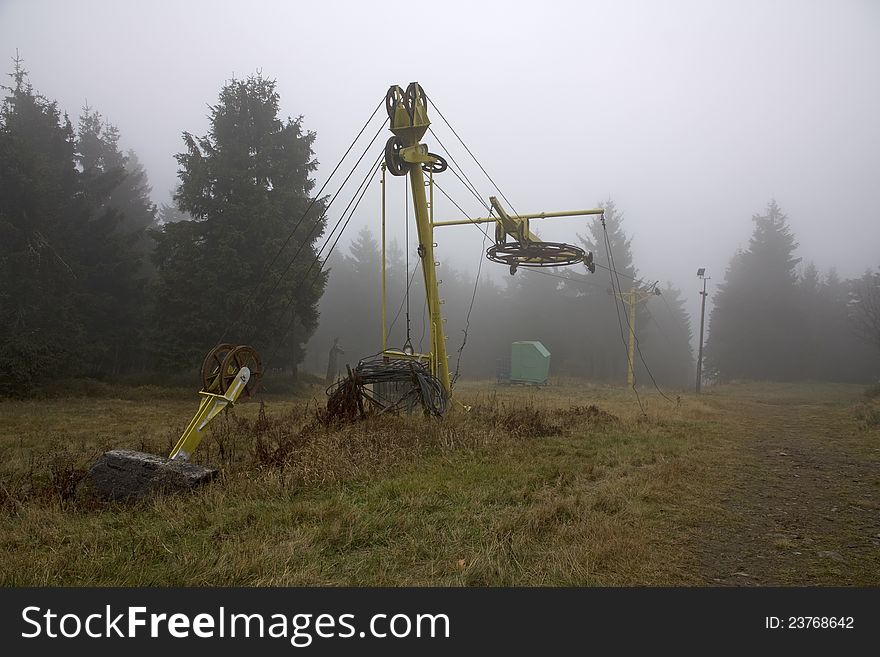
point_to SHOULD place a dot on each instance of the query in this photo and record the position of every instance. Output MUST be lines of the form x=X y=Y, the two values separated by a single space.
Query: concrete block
x=127 y=475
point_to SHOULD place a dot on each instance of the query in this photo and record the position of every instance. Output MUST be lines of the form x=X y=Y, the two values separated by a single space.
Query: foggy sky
x=690 y=115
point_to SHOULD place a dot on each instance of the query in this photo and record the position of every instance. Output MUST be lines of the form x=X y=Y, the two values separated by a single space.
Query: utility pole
x=631 y=353
x=633 y=298
x=701 y=273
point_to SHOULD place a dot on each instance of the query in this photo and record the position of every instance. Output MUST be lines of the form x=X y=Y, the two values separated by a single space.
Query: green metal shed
x=529 y=362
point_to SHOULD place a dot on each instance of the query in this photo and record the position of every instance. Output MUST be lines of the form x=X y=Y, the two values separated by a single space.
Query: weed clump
x=867 y=416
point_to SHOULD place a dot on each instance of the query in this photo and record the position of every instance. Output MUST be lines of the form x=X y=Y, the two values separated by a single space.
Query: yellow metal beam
x=429 y=271
x=209 y=408
x=538 y=215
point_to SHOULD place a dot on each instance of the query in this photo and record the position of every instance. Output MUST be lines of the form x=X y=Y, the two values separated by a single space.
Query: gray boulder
x=127 y=475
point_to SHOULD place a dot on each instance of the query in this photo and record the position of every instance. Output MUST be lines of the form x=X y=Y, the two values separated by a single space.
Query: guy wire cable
x=615 y=293
x=307 y=240
x=636 y=338
x=293 y=318
x=314 y=200
x=361 y=189
x=470 y=153
x=467 y=320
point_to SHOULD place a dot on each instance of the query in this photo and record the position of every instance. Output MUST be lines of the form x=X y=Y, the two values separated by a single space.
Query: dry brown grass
x=565 y=485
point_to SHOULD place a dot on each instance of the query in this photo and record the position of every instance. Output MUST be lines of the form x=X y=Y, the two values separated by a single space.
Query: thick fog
x=691 y=116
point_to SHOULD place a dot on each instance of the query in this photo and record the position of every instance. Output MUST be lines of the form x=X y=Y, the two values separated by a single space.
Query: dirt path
x=801 y=504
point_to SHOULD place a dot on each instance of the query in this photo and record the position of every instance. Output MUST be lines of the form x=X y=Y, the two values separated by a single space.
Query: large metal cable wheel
x=535 y=254
x=212 y=364
x=241 y=356
x=396 y=166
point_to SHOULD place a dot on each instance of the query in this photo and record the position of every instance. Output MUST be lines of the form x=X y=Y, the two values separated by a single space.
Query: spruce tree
x=665 y=340
x=247 y=186
x=71 y=300
x=756 y=326
x=117 y=246
x=41 y=332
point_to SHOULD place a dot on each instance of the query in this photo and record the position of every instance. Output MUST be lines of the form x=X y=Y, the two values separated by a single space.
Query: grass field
x=752 y=484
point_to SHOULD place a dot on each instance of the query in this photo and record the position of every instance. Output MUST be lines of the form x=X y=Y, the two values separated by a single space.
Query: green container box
x=529 y=362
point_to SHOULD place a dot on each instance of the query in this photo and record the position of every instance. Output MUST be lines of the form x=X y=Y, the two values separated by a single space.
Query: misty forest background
x=96 y=281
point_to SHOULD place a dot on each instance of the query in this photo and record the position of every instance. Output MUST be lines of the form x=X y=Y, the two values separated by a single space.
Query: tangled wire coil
x=350 y=398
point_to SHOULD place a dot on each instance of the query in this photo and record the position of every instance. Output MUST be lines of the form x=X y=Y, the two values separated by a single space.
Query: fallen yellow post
x=211 y=405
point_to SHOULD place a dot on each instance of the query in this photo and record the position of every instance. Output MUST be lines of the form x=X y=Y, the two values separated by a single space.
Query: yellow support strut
x=409 y=126
x=209 y=408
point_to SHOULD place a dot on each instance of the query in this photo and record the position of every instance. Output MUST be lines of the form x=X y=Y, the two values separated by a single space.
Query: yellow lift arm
x=228 y=373
x=209 y=408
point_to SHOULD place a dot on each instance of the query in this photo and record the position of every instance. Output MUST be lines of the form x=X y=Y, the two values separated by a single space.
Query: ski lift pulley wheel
x=535 y=254
x=396 y=166
x=394 y=96
x=211 y=366
x=414 y=96
x=238 y=357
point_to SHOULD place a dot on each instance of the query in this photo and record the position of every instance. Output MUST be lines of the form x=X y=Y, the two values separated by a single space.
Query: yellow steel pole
x=537 y=215
x=409 y=122
x=426 y=252
x=384 y=290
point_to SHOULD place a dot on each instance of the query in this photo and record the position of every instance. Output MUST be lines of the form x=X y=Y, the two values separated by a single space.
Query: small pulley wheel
x=392 y=98
x=438 y=166
x=241 y=356
x=396 y=166
x=414 y=96
x=211 y=366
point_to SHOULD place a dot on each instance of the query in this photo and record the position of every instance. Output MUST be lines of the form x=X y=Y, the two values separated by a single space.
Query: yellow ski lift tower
x=633 y=298
x=515 y=245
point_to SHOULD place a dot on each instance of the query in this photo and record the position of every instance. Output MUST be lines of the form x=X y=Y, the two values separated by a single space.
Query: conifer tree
x=41 y=332
x=71 y=299
x=247 y=186
x=756 y=319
